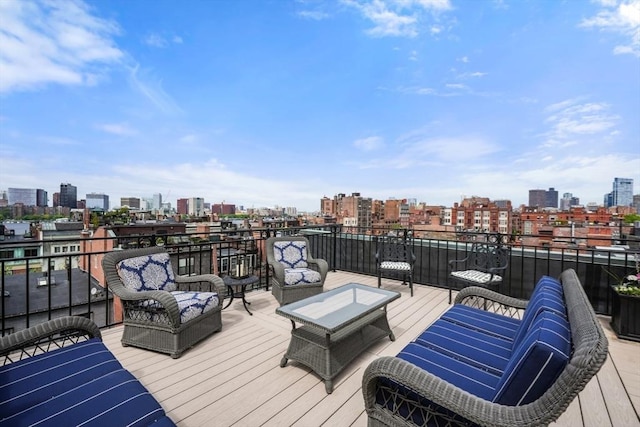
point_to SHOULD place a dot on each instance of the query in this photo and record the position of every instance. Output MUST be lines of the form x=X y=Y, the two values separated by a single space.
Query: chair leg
x=411 y=283
x=379 y=278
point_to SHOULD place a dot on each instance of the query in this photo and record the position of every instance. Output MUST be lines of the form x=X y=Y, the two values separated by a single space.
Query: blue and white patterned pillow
x=148 y=273
x=291 y=254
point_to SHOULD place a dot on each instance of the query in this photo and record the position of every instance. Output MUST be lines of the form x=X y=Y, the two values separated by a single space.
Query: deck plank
x=234 y=378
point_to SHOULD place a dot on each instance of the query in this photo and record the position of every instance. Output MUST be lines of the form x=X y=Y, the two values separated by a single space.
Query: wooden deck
x=234 y=377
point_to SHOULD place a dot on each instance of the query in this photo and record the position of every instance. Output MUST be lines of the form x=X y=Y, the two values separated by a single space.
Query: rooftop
x=234 y=377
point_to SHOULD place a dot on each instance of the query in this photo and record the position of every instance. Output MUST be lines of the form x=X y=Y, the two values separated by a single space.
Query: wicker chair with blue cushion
x=295 y=273
x=162 y=311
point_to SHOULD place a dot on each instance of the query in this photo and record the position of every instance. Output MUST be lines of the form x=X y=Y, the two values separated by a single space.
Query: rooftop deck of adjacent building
x=234 y=378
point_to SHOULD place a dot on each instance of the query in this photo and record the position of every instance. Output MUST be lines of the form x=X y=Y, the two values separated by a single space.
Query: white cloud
x=152 y=89
x=398 y=18
x=624 y=19
x=155 y=40
x=120 y=129
x=369 y=144
x=53 y=42
x=313 y=15
x=158 y=40
x=571 y=121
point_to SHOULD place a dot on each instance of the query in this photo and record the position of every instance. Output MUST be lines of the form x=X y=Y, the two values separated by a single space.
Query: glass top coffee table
x=338 y=325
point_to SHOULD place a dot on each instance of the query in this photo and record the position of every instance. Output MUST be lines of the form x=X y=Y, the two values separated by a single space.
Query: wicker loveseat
x=478 y=367
x=59 y=373
x=296 y=274
x=162 y=311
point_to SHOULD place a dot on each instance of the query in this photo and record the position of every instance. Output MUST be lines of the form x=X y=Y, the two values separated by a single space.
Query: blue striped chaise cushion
x=81 y=383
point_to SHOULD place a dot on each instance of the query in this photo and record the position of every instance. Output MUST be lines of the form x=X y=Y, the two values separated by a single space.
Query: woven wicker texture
x=159 y=326
x=428 y=397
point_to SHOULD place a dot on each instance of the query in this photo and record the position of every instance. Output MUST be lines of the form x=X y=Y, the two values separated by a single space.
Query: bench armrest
x=433 y=389
x=46 y=336
x=487 y=299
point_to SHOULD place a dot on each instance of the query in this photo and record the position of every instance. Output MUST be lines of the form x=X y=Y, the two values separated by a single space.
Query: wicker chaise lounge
x=59 y=373
x=162 y=311
x=465 y=370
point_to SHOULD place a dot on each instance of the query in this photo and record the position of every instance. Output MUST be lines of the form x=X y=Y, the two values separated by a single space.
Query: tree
x=631 y=218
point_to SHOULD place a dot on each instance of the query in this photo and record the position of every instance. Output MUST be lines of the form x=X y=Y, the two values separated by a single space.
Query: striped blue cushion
x=472 y=347
x=470 y=378
x=536 y=362
x=545 y=301
x=484 y=321
x=73 y=385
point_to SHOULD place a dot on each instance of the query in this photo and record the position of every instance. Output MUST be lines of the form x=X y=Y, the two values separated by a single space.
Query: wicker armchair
x=394 y=254
x=162 y=311
x=295 y=274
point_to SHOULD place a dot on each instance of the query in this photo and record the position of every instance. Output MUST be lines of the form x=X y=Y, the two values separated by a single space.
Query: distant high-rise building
x=195 y=206
x=157 y=201
x=551 y=198
x=622 y=194
x=355 y=210
x=97 y=201
x=68 y=196
x=28 y=196
x=567 y=201
x=182 y=206
x=537 y=198
x=131 y=202
x=543 y=198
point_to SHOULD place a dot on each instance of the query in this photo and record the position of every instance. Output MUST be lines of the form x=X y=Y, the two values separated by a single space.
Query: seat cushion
x=191 y=305
x=147 y=273
x=291 y=254
x=395 y=265
x=475 y=348
x=536 y=362
x=494 y=324
x=82 y=383
x=475 y=276
x=300 y=276
x=470 y=378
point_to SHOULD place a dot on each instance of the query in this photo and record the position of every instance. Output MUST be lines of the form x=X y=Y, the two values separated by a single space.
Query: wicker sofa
x=163 y=312
x=59 y=373
x=479 y=364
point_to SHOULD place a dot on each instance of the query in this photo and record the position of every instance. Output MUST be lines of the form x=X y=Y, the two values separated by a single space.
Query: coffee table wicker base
x=328 y=354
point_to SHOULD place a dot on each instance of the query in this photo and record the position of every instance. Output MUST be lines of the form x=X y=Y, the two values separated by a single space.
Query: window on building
x=31 y=252
x=6 y=255
x=185 y=266
x=56 y=250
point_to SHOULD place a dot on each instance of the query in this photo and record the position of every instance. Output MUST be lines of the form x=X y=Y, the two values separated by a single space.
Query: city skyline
x=544 y=198
x=261 y=104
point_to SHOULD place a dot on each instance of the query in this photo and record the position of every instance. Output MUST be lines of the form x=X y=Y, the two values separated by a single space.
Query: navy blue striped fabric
x=483 y=321
x=470 y=378
x=537 y=361
x=543 y=303
x=82 y=383
x=481 y=350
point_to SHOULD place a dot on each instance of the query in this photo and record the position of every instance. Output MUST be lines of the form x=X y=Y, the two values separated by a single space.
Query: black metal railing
x=48 y=286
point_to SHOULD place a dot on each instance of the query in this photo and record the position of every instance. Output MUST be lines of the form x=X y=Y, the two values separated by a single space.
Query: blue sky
x=279 y=103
